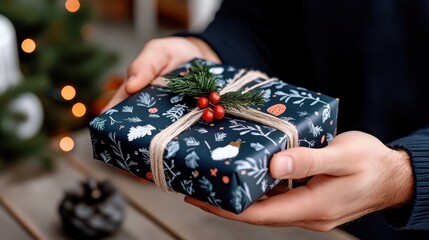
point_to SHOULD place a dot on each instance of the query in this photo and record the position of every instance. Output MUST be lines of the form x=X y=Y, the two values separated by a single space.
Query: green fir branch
x=239 y=100
x=198 y=82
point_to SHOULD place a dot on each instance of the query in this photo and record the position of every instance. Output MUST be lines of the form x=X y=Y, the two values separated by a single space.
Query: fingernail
x=284 y=165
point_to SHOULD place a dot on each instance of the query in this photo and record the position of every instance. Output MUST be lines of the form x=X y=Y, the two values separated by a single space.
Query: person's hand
x=354 y=175
x=159 y=57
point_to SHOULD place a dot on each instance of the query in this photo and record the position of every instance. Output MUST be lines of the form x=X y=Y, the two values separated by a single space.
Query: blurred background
x=61 y=61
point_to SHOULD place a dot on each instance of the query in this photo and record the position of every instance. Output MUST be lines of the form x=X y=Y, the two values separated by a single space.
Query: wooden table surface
x=29 y=201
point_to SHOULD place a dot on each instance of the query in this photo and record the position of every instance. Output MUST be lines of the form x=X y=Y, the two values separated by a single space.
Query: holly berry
x=219 y=112
x=202 y=102
x=207 y=115
x=214 y=98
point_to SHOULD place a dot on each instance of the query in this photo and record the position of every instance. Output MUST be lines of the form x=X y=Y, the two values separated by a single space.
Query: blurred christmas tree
x=53 y=38
x=55 y=48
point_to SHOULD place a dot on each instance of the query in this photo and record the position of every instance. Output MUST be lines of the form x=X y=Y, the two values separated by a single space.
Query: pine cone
x=95 y=210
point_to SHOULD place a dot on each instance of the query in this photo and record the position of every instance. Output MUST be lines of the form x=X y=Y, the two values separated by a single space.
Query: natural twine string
x=160 y=141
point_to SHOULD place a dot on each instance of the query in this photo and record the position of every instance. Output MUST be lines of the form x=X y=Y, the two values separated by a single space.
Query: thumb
x=144 y=69
x=301 y=162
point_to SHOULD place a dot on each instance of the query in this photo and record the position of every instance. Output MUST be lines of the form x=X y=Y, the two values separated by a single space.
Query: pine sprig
x=199 y=81
x=239 y=100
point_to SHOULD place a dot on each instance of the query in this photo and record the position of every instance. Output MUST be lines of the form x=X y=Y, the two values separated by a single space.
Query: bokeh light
x=66 y=144
x=79 y=109
x=68 y=92
x=28 y=45
x=72 y=5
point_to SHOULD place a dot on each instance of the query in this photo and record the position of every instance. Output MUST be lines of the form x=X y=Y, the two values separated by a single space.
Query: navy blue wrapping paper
x=224 y=163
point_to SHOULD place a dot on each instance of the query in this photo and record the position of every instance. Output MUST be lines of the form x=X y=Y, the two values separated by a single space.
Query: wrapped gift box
x=224 y=163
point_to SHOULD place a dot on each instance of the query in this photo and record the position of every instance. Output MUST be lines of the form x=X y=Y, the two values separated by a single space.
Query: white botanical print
x=105 y=157
x=208 y=187
x=128 y=109
x=314 y=130
x=146 y=155
x=176 y=98
x=220 y=136
x=326 y=112
x=255 y=130
x=172 y=148
x=191 y=160
x=302 y=113
x=171 y=173
x=133 y=119
x=201 y=130
x=239 y=195
x=145 y=100
x=113 y=121
x=111 y=111
x=264 y=185
x=253 y=168
x=176 y=112
x=124 y=161
x=98 y=123
x=307 y=142
x=187 y=186
x=191 y=142
x=257 y=146
x=140 y=131
x=304 y=96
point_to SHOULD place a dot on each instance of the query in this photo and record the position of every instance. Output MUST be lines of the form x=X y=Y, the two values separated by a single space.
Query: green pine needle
x=198 y=82
x=239 y=100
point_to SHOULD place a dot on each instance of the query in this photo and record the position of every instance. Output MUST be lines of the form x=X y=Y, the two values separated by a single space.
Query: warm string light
x=28 y=45
x=72 y=5
x=68 y=92
x=78 y=109
x=66 y=144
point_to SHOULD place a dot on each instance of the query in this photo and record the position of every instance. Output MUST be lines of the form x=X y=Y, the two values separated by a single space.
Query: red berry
x=207 y=115
x=214 y=98
x=219 y=112
x=202 y=102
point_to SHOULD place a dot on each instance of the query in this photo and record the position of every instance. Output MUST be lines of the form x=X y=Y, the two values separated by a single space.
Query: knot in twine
x=160 y=141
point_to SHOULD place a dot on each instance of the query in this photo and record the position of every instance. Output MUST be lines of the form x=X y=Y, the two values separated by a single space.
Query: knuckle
x=313 y=166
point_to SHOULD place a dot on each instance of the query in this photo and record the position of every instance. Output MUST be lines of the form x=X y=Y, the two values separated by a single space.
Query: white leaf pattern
x=140 y=131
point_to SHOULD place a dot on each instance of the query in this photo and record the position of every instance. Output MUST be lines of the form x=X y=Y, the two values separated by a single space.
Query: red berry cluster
x=216 y=112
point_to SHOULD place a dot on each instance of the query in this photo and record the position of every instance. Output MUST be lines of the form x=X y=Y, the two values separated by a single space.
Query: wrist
x=206 y=51
x=402 y=178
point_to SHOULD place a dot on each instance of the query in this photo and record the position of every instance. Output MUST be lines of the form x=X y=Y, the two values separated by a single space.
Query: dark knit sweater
x=371 y=54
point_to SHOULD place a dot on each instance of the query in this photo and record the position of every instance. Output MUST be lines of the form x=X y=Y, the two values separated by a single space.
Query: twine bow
x=243 y=77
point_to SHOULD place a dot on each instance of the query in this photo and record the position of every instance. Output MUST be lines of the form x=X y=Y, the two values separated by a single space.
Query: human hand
x=158 y=57
x=354 y=175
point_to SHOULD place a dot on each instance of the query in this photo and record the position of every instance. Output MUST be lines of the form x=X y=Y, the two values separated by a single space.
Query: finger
x=119 y=96
x=296 y=205
x=301 y=162
x=145 y=68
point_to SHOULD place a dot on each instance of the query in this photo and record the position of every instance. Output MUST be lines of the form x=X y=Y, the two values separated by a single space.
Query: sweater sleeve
x=238 y=33
x=416 y=214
